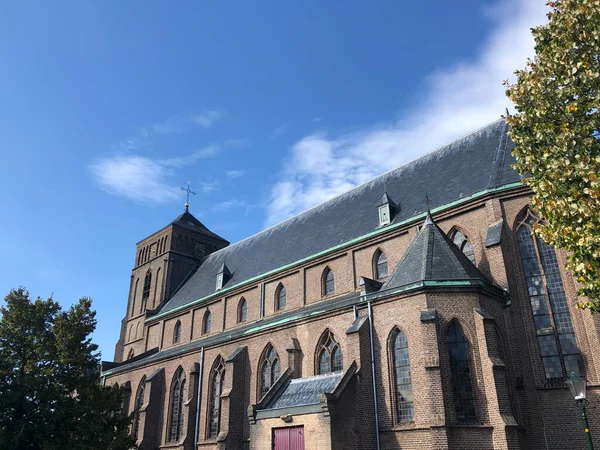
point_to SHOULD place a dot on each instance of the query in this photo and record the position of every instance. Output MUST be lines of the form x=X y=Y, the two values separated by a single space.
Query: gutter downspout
x=373 y=374
x=199 y=399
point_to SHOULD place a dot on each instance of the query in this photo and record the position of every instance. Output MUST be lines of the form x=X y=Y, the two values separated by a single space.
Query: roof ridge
x=364 y=183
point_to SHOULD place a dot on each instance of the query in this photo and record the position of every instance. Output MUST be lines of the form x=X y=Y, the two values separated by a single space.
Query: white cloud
x=209 y=185
x=207 y=118
x=229 y=205
x=457 y=101
x=145 y=179
x=235 y=173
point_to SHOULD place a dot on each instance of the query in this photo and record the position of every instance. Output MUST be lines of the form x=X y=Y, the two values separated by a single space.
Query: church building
x=376 y=320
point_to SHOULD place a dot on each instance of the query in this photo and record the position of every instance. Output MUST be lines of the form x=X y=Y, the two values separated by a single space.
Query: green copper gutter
x=338 y=247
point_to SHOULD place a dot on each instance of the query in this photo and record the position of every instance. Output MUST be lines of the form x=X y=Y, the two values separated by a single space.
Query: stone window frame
x=279 y=297
x=242 y=310
x=324 y=344
x=267 y=359
x=177 y=332
x=327 y=284
x=206 y=322
x=177 y=398
x=465 y=244
x=137 y=405
x=376 y=263
x=217 y=369
x=394 y=333
x=528 y=215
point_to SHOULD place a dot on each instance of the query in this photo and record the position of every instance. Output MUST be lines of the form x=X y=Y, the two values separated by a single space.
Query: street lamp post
x=577 y=386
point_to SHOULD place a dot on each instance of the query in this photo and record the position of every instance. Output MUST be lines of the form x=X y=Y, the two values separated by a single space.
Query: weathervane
x=187 y=191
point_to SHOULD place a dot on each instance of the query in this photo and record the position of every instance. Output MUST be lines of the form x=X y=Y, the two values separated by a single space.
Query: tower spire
x=428 y=219
x=187 y=191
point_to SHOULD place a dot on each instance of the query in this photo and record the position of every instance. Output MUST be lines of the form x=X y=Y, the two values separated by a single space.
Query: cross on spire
x=428 y=220
x=427 y=202
x=187 y=191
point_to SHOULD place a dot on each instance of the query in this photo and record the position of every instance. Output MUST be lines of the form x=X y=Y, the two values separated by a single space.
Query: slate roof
x=188 y=221
x=305 y=391
x=432 y=257
x=474 y=163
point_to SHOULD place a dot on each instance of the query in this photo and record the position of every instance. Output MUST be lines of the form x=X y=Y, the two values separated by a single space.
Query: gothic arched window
x=135 y=289
x=177 y=332
x=402 y=379
x=146 y=291
x=216 y=389
x=329 y=354
x=176 y=418
x=553 y=324
x=131 y=354
x=157 y=288
x=460 y=367
x=380 y=265
x=328 y=282
x=280 y=299
x=139 y=402
x=206 y=322
x=270 y=369
x=462 y=242
x=242 y=310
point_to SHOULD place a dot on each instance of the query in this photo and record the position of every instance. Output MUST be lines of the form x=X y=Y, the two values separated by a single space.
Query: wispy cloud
x=209 y=185
x=207 y=118
x=145 y=179
x=235 y=173
x=457 y=100
x=229 y=205
x=279 y=131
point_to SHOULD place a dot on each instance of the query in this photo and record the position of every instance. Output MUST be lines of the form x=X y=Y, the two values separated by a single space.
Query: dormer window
x=384 y=215
x=387 y=210
x=223 y=276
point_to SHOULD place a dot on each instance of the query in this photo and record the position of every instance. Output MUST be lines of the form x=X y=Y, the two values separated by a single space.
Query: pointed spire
x=428 y=219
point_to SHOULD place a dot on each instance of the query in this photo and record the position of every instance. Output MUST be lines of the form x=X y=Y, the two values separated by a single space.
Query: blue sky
x=268 y=108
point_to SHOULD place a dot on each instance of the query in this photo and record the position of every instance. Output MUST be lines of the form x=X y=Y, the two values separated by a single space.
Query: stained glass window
x=178 y=391
x=462 y=242
x=329 y=354
x=280 y=299
x=328 y=282
x=146 y=291
x=402 y=378
x=242 y=310
x=216 y=389
x=270 y=370
x=551 y=316
x=139 y=402
x=177 y=332
x=460 y=367
x=206 y=322
x=381 y=265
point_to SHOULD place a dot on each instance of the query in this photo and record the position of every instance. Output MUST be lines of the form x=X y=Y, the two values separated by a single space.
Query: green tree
x=50 y=392
x=556 y=132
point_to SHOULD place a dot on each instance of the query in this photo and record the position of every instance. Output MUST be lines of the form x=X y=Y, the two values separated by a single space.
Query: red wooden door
x=291 y=438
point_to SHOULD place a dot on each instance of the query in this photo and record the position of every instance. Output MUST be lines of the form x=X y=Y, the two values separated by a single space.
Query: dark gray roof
x=305 y=391
x=466 y=166
x=494 y=234
x=432 y=257
x=188 y=221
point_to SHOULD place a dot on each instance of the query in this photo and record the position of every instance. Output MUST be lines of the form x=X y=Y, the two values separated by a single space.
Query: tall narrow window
x=178 y=391
x=177 y=332
x=135 y=289
x=460 y=367
x=139 y=402
x=206 y=322
x=328 y=282
x=462 y=242
x=216 y=389
x=329 y=354
x=553 y=324
x=157 y=289
x=380 y=265
x=280 y=300
x=131 y=354
x=242 y=310
x=402 y=379
x=270 y=369
x=146 y=291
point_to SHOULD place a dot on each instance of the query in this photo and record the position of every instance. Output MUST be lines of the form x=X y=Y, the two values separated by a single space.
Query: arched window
x=146 y=291
x=177 y=332
x=462 y=242
x=216 y=389
x=206 y=322
x=139 y=402
x=269 y=370
x=329 y=354
x=131 y=354
x=130 y=335
x=401 y=377
x=328 y=284
x=137 y=330
x=157 y=288
x=380 y=265
x=178 y=392
x=280 y=300
x=135 y=289
x=242 y=310
x=460 y=367
x=553 y=324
